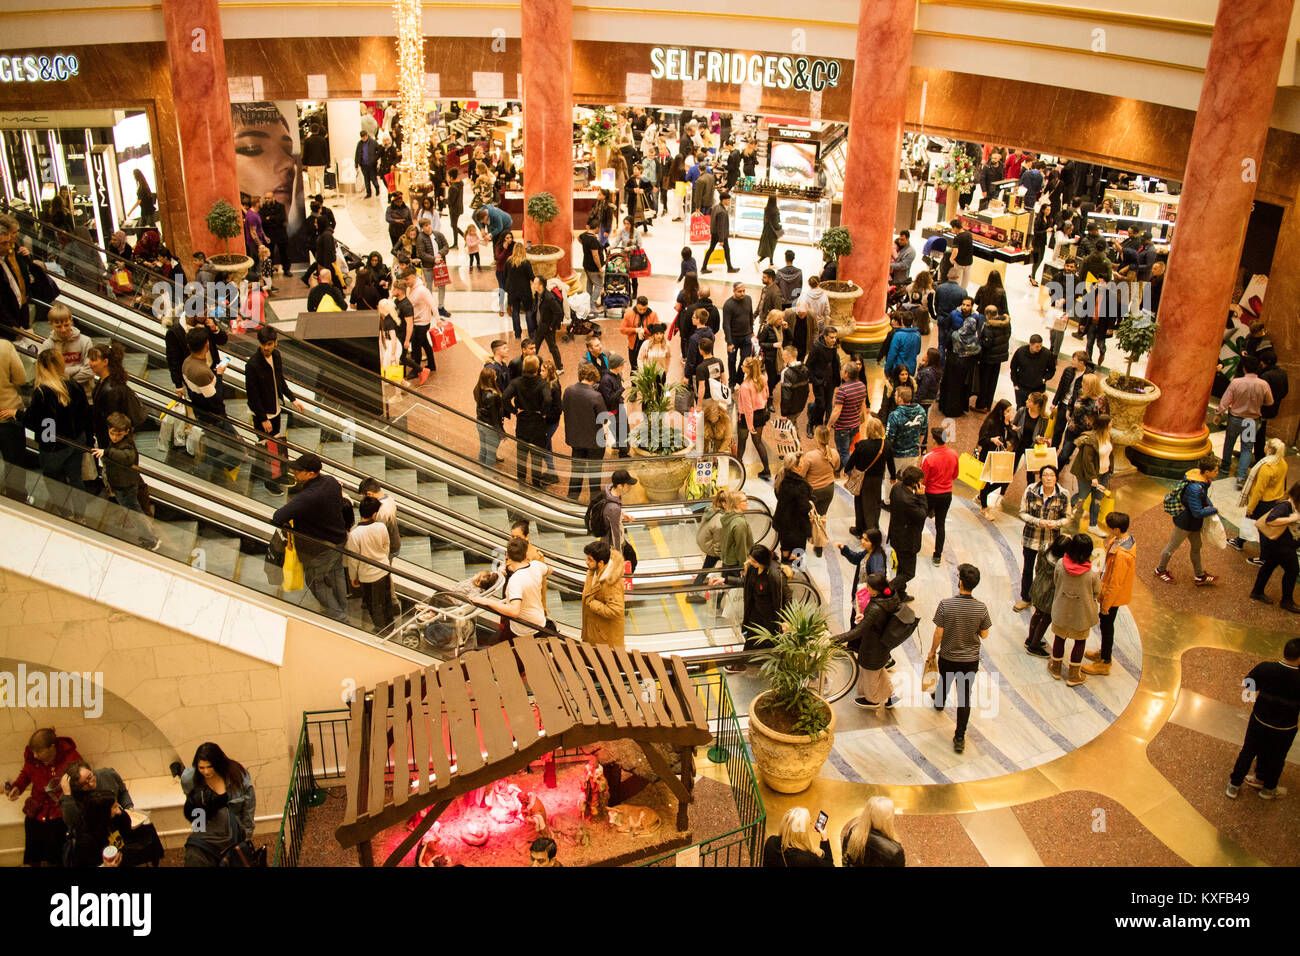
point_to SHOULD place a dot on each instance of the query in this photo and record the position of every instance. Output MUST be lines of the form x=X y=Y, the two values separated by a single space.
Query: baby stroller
x=618 y=287
x=580 y=322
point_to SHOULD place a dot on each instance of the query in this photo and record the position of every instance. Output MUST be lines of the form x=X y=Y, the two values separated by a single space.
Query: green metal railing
x=741 y=846
x=320 y=757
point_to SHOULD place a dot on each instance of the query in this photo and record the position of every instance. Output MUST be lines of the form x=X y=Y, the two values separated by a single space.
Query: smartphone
x=820 y=825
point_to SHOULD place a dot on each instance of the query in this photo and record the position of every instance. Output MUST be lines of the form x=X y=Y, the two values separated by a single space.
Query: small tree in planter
x=541 y=209
x=1135 y=335
x=836 y=243
x=225 y=223
x=791 y=726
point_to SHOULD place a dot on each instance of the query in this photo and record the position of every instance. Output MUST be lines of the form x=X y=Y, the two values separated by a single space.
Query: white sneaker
x=1232 y=791
x=1274 y=794
x=1094 y=530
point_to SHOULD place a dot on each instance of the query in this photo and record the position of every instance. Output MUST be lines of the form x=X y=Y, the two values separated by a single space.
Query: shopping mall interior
x=869 y=500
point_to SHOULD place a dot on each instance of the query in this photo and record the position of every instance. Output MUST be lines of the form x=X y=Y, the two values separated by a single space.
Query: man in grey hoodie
x=789 y=279
x=817 y=303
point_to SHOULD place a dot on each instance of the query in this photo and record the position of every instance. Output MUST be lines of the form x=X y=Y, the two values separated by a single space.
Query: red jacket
x=39 y=804
x=940 y=466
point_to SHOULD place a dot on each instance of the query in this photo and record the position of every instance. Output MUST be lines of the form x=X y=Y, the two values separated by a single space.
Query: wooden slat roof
x=489 y=713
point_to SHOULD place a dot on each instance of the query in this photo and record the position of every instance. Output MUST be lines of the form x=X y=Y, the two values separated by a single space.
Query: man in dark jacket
x=1276 y=378
x=991 y=172
x=321 y=517
x=789 y=278
x=907 y=513
x=265 y=386
x=1032 y=367
x=327 y=251
x=719 y=232
x=178 y=349
x=529 y=396
x=275 y=223
x=738 y=330
x=1194 y=496
x=398 y=217
x=611 y=391
x=702 y=332
x=549 y=309
x=824 y=373
x=584 y=408
x=325 y=287
x=315 y=157
x=770 y=299
x=704 y=194
x=366 y=156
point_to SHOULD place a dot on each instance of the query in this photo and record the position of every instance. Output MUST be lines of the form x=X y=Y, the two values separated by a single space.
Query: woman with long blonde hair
x=1265 y=486
x=871 y=839
x=59 y=413
x=1090 y=403
x=798 y=843
x=519 y=289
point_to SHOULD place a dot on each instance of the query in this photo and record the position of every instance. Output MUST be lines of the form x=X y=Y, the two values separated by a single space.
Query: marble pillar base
x=1169 y=456
x=864 y=342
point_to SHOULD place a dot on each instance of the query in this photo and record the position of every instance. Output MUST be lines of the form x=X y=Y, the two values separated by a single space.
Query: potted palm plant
x=1128 y=395
x=836 y=243
x=791 y=726
x=225 y=222
x=657 y=432
x=542 y=208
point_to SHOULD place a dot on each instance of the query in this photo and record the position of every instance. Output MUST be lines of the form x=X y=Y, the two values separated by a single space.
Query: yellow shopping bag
x=394 y=373
x=294 y=579
x=969 y=470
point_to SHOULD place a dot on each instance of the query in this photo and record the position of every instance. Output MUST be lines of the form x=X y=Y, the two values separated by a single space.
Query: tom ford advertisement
x=268 y=160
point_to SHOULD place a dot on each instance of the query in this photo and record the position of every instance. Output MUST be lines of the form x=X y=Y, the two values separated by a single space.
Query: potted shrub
x=1128 y=395
x=836 y=243
x=542 y=208
x=791 y=726
x=598 y=133
x=657 y=432
x=225 y=222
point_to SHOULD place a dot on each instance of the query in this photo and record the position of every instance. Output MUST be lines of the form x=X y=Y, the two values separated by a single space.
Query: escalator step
x=308 y=438
x=370 y=466
x=404 y=479
x=497 y=518
x=417 y=550
x=220 y=556
x=136 y=363
x=251 y=572
x=340 y=451
x=435 y=491
x=448 y=563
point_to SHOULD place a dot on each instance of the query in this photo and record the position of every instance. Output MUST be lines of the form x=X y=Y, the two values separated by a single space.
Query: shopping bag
x=441 y=274
x=969 y=470
x=1039 y=455
x=692 y=425
x=786 y=436
x=1050 y=431
x=394 y=373
x=699 y=227
x=929 y=673
x=120 y=282
x=294 y=579
x=443 y=335
x=999 y=467
x=638 y=264
x=1213 y=533
x=819 y=536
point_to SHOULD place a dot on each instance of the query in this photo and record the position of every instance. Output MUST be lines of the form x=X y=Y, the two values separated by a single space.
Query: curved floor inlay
x=1022 y=718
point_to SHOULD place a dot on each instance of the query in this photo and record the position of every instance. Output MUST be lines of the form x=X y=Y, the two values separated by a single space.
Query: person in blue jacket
x=494 y=221
x=1194 y=497
x=904 y=347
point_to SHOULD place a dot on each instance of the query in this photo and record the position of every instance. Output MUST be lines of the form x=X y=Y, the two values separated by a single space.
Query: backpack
x=794 y=390
x=1173 y=501
x=901 y=625
x=709 y=535
x=597 y=525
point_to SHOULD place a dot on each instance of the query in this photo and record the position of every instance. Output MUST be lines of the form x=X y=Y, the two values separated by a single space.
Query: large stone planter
x=1127 y=411
x=664 y=479
x=230 y=267
x=544 y=259
x=842 y=296
x=788 y=763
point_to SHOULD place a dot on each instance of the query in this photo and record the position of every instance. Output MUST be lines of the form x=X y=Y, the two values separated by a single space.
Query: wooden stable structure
x=489 y=713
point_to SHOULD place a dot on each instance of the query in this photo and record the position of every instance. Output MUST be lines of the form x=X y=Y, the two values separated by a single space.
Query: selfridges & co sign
x=38 y=69
x=714 y=66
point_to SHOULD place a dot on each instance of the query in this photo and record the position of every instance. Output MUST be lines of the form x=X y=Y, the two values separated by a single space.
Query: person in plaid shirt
x=1045 y=510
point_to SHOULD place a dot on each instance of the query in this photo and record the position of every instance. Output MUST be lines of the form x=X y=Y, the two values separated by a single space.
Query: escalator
x=447 y=535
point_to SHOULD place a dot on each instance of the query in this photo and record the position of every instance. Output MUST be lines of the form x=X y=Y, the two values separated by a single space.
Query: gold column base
x=1174 y=447
x=863 y=336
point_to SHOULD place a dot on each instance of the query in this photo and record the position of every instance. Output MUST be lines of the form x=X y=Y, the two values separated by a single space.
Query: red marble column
x=880 y=75
x=197 y=57
x=1226 y=150
x=547 y=66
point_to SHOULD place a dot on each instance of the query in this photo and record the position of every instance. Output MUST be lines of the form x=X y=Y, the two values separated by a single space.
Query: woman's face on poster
x=264 y=161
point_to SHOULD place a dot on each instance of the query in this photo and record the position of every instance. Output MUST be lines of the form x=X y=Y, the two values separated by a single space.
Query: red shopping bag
x=699 y=227
x=444 y=336
x=274 y=465
x=692 y=425
x=441 y=274
x=254 y=310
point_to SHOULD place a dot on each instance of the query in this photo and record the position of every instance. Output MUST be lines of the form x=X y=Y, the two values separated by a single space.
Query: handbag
x=780 y=233
x=89 y=470
x=294 y=577
x=1272 y=532
x=638 y=264
x=242 y=853
x=819 y=536
x=853 y=479
x=969 y=469
x=394 y=373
